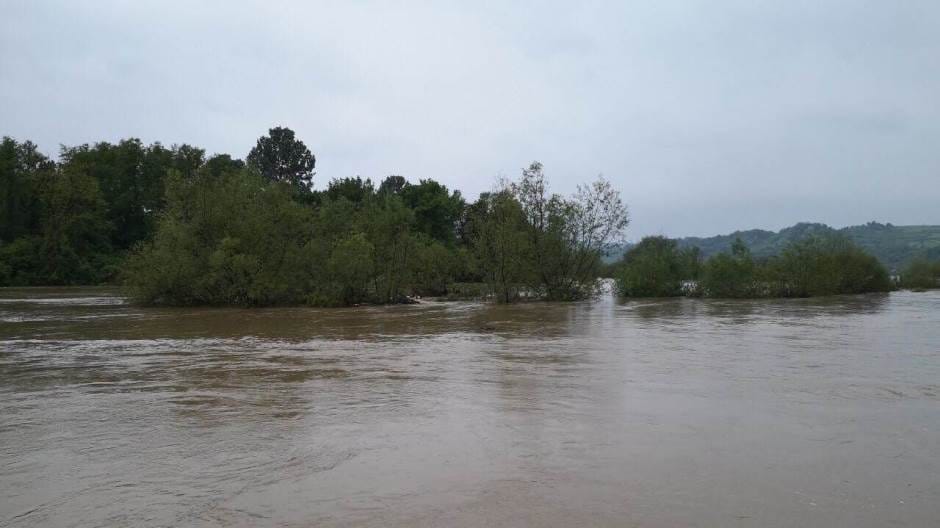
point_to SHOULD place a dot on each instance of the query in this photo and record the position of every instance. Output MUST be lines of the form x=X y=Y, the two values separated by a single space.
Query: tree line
x=894 y=246
x=812 y=266
x=175 y=226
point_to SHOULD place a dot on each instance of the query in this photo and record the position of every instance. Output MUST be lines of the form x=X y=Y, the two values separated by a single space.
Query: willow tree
x=568 y=235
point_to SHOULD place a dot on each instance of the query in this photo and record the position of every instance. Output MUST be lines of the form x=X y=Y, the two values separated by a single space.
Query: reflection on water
x=743 y=310
x=678 y=412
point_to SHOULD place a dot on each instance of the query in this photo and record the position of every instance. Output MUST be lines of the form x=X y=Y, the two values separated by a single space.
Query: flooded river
x=666 y=413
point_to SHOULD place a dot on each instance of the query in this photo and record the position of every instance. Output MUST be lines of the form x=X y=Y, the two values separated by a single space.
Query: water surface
x=671 y=413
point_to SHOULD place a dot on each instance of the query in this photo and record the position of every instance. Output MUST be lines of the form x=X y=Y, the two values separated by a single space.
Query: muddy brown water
x=669 y=413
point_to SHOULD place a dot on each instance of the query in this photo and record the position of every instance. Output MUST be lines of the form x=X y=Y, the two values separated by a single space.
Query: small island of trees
x=176 y=227
x=814 y=266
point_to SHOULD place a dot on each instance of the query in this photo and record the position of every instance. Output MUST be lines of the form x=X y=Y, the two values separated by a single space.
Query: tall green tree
x=74 y=244
x=20 y=167
x=281 y=157
x=568 y=236
x=434 y=266
x=387 y=224
x=502 y=245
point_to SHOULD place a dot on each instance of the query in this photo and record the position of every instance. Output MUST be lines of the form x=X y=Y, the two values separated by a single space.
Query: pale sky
x=709 y=116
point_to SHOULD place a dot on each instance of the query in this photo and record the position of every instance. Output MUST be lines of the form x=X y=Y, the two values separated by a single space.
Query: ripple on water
x=663 y=413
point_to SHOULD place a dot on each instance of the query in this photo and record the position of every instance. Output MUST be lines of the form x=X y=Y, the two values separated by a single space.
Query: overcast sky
x=709 y=115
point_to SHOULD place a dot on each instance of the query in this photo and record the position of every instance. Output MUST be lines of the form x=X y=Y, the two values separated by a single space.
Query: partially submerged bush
x=810 y=267
x=826 y=266
x=234 y=240
x=235 y=237
x=656 y=267
x=921 y=274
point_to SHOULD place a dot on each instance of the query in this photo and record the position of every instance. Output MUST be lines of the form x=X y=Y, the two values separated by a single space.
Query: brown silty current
x=660 y=413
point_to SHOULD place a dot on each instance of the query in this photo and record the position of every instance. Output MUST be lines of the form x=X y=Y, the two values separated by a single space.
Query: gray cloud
x=709 y=116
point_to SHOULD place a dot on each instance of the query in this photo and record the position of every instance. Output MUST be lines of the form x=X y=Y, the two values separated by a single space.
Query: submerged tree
x=730 y=275
x=352 y=268
x=826 y=265
x=501 y=244
x=185 y=228
x=568 y=236
x=434 y=267
x=921 y=274
x=230 y=240
x=525 y=238
x=656 y=267
x=813 y=266
x=387 y=224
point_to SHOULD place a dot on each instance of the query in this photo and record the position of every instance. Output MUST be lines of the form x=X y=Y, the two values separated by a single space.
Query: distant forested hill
x=893 y=245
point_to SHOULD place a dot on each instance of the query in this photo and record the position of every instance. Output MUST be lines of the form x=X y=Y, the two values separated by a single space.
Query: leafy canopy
x=281 y=157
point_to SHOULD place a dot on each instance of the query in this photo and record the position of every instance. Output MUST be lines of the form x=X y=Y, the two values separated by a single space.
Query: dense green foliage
x=825 y=266
x=656 y=267
x=72 y=221
x=810 y=267
x=564 y=238
x=921 y=274
x=280 y=157
x=895 y=246
x=244 y=239
x=227 y=240
x=177 y=228
x=730 y=275
x=55 y=221
x=528 y=242
x=496 y=228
